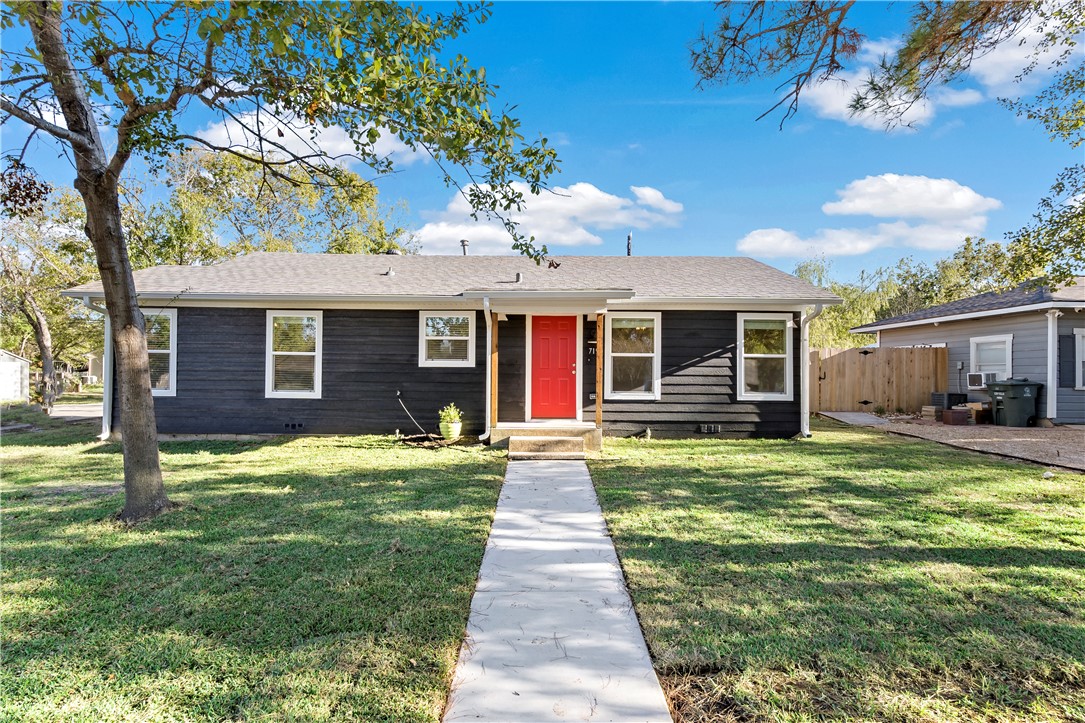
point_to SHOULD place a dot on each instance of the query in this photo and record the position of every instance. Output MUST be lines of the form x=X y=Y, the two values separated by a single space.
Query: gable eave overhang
x=1005 y=311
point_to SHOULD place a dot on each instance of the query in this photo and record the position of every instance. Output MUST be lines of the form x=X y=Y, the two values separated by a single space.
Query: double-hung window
x=161 y=327
x=765 y=359
x=294 y=354
x=446 y=339
x=991 y=355
x=632 y=363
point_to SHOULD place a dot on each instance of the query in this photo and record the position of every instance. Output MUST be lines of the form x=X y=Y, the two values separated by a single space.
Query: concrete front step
x=537 y=447
x=593 y=437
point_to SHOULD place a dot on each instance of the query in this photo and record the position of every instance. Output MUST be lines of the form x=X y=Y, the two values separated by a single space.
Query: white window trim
x=657 y=337
x=171 y=314
x=1079 y=357
x=424 y=362
x=269 y=366
x=788 y=395
x=973 y=341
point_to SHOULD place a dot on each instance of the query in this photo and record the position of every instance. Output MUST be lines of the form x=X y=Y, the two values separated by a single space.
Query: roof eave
x=871 y=328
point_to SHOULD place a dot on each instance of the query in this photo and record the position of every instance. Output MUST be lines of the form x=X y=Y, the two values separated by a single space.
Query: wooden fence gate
x=862 y=380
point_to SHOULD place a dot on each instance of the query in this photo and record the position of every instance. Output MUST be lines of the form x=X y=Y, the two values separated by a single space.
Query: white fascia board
x=871 y=328
x=715 y=304
x=238 y=301
x=596 y=295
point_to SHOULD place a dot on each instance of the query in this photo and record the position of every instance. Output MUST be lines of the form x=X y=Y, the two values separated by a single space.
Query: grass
x=91 y=394
x=852 y=576
x=299 y=579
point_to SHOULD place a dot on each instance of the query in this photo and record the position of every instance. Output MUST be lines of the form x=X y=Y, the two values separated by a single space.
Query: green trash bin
x=1013 y=401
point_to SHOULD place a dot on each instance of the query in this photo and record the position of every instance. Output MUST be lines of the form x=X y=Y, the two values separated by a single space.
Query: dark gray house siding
x=368 y=356
x=697 y=384
x=1029 y=352
x=512 y=368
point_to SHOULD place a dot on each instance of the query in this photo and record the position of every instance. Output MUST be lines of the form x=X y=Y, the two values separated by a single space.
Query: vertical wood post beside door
x=493 y=368
x=598 y=371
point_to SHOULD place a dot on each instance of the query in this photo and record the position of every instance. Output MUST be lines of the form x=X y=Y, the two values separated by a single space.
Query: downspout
x=107 y=370
x=804 y=369
x=489 y=337
x=1053 y=363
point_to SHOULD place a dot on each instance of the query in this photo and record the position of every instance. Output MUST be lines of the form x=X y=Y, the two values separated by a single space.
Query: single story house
x=14 y=377
x=1027 y=332
x=345 y=344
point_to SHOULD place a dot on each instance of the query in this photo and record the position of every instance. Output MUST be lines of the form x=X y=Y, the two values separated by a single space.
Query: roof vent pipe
x=464 y=243
x=629 y=244
x=519 y=277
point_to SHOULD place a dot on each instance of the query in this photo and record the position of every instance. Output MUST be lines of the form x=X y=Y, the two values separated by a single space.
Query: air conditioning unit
x=978 y=380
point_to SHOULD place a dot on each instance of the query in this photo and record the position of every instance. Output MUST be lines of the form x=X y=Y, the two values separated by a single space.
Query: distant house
x=310 y=343
x=1032 y=333
x=14 y=377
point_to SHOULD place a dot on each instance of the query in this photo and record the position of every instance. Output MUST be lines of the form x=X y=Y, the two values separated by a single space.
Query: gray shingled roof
x=1022 y=295
x=288 y=275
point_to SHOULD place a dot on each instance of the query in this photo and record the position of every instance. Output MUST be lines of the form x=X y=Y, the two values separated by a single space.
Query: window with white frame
x=632 y=366
x=446 y=339
x=294 y=354
x=1079 y=358
x=991 y=355
x=161 y=327
x=765 y=360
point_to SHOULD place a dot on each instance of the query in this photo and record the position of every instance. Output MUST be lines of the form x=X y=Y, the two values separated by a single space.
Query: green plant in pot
x=451 y=421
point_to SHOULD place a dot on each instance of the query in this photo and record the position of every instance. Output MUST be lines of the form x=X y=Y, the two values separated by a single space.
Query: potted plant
x=451 y=422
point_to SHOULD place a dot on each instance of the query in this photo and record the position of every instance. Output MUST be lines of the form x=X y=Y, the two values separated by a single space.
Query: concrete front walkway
x=552 y=633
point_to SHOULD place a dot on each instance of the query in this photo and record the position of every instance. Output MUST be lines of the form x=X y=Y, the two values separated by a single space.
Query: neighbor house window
x=1079 y=358
x=161 y=326
x=446 y=339
x=293 y=358
x=765 y=366
x=632 y=355
x=991 y=354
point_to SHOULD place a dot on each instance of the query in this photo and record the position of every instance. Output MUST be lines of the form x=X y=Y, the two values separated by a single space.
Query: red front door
x=553 y=367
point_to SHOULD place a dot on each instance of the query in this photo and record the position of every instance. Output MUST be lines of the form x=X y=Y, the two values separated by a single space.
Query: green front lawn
x=852 y=576
x=301 y=579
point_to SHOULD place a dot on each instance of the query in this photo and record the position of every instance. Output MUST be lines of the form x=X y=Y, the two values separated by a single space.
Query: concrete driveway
x=1060 y=446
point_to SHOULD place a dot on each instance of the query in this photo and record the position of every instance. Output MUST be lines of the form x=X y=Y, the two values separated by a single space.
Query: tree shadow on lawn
x=847 y=584
x=339 y=595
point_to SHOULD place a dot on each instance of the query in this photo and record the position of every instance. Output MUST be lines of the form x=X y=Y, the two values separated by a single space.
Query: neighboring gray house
x=333 y=344
x=14 y=377
x=1031 y=333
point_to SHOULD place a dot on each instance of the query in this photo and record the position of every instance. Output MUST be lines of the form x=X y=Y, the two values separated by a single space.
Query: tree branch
x=58 y=132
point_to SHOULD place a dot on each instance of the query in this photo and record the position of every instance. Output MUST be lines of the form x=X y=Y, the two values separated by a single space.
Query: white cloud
x=928 y=213
x=894 y=196
x=569 y=216
x=957 y=98
x=998 y=70
x=831 y=99
x=300 y=138
x=653 y=198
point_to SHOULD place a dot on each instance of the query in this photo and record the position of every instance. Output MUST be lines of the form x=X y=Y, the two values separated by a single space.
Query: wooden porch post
x=493 y=369
x=598 y=371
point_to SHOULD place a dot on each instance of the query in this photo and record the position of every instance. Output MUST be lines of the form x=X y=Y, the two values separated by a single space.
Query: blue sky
x=692 y=171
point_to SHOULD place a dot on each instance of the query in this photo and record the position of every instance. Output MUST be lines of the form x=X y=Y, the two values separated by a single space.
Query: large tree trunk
x=144 y=495
x=97 y=181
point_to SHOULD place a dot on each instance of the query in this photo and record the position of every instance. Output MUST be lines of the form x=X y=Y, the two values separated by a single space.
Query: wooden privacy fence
x=890 y=377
